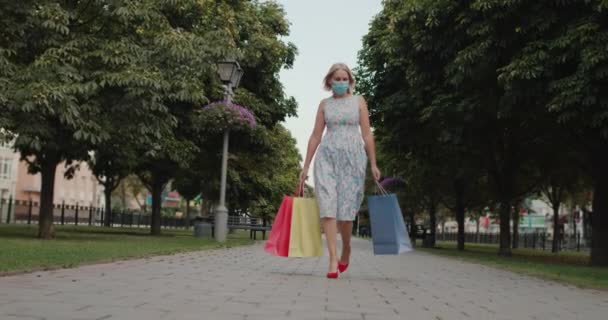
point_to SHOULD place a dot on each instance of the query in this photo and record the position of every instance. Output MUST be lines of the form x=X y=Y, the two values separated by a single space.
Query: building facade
x=17 y=184
x=9 y=164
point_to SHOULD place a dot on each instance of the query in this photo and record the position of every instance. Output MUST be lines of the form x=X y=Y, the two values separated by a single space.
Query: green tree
x=418 y=116
x=114 y=159
x=423 y=192
x=197 y=83
x=562 y=178
x=568 y=60
x=444 y=63
x=188 y=186
x=273 y=172
x=255 y=31
x=66 y=60
x=156 y=171
x=110 y=170
x=264 y=166
x=578 y=201
x=71 y=70
x=130 y=189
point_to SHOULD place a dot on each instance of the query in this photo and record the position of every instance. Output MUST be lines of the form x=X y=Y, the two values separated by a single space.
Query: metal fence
x=27 y=212
x=536 y=240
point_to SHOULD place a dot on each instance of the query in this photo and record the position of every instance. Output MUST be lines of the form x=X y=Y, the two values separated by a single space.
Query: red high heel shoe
x=332 y=275
x=342 y=267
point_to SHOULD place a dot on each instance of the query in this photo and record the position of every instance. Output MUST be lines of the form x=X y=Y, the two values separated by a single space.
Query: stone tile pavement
x=245 y=283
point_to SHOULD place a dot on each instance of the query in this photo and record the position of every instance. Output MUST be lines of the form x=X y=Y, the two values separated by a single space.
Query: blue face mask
x=340 y=87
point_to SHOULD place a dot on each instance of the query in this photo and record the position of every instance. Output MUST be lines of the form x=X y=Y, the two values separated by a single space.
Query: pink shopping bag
x=278 y=240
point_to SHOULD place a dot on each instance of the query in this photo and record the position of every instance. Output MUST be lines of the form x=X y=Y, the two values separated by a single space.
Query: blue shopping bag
x=389 y=235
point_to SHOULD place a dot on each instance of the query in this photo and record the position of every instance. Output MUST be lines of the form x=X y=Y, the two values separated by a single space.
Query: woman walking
x=341 y=161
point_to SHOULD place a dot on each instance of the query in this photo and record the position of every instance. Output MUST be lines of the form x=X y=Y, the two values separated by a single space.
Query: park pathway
x=245 y=283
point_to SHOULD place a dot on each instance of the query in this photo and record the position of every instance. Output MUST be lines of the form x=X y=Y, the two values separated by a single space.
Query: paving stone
x=245 y=283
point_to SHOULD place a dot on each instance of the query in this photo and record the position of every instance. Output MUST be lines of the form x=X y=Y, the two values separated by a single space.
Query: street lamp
x=230 y=74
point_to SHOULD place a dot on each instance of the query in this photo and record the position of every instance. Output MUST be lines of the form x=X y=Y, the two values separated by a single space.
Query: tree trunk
x=123 y=196
x=586 y=215
x=157 y=191
x=573 y=218
x=477 y=229
x=46 y=229
x=156 y=186
x=505 y=228
x=460 y=213
x=187 y=212
x=516 y=218
x=433 y=225
x=108 y=194
x=556 y=232
x=599 y=217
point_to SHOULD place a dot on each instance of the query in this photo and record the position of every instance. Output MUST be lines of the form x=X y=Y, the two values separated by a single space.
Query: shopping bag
x=278 y=240
x=389 y=235
x=305 y=236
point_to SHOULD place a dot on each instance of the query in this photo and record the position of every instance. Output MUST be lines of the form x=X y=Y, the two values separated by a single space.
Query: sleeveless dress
x=341 y=161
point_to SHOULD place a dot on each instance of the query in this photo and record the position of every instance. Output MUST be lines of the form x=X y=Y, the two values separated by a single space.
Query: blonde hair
x=334 y=68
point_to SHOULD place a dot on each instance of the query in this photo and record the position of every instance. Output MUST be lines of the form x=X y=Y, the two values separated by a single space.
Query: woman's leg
x=346 y=229
x=330 y=229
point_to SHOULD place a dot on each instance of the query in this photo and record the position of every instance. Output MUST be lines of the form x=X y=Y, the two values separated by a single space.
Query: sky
x=325 y=32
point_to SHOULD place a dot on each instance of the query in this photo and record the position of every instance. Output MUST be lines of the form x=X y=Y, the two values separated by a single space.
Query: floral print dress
x=341 y=161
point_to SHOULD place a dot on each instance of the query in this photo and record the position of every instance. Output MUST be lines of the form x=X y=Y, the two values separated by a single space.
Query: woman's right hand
x=302 y=180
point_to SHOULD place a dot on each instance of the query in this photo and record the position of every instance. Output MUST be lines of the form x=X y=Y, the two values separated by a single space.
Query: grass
x=21 y=251
x=566 y=267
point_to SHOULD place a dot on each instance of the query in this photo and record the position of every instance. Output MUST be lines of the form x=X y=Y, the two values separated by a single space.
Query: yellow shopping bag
x=305 y=234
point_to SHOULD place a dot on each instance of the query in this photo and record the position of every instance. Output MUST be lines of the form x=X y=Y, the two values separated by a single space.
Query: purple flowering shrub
x=219 y=116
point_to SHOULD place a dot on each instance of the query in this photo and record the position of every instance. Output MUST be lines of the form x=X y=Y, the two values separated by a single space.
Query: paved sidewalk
x=245 y=283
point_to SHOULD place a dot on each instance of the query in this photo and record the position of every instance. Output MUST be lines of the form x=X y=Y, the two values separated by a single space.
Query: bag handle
x=380 y=189
x=299 y=192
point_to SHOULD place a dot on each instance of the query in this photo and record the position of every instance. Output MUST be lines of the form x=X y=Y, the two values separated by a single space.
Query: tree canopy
x=485 y=89
x=126 y=81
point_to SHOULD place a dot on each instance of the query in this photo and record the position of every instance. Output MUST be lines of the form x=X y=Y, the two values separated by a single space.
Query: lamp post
x=230 y=74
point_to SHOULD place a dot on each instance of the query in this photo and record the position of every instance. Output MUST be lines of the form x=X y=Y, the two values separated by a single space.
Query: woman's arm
x=315 y=138
x=368 y=137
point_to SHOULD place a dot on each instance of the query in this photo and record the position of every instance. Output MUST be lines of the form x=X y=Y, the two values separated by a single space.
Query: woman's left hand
x=376 y=173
